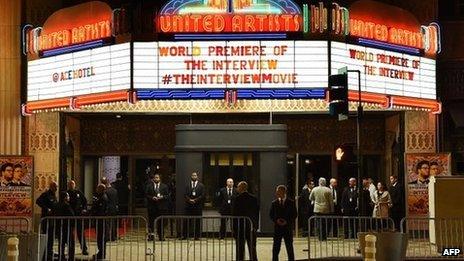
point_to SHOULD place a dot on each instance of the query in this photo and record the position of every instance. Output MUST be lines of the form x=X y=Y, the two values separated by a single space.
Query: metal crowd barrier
x=105 y=238
x=203 y=238
x=429 y=237
x=19 y=227
x=337 y=236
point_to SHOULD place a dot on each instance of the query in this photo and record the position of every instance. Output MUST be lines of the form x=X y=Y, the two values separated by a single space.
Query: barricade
x=337 y=236
x=19 y=227
x=433 y=238
x=203 y=238
x=104 y=238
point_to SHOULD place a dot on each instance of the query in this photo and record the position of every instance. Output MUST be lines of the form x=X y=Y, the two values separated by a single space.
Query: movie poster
x=16 y=186
x=419 y=169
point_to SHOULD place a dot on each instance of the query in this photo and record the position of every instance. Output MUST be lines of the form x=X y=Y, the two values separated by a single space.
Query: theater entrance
x=219 y=166
x=256 y=153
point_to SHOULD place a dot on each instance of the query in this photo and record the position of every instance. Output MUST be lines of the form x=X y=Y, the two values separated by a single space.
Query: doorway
x=219 y=166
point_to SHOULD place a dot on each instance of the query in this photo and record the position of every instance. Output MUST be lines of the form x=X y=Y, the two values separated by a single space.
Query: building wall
x=316 y=134
x=10 y=77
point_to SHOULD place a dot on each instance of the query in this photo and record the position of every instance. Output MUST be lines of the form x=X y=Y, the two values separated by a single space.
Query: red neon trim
x=101 y=98
x=432 y=105
x=381 y=99
x=48 y=104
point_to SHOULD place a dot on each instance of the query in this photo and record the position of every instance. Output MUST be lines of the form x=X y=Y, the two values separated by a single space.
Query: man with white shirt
x=372 y=188
x=194 y=195
x=323 y=205
x=226 y=198
x=333 y=226
x=157 y=195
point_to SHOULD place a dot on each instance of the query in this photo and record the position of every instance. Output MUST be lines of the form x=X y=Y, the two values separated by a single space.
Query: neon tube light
x=228 y=36
x=73 y=48
x=388 y=46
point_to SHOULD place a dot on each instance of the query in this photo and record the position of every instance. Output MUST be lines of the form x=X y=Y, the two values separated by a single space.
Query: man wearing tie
x=226 y=199
x=333 y=185
x=157 y=203
x=194 y=195
x=283 y=214
x=350 y=208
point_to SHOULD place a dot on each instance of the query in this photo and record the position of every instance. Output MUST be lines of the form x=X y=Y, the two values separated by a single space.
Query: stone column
x=10 y=77
x=420 y=132
x=43 y=143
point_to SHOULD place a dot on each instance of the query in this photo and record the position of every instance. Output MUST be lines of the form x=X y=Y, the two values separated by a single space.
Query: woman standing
x=382 y=202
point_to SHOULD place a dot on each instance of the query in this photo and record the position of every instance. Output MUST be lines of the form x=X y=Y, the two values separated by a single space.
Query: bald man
x=226 y=198
x=78 y=204
x=350 y=208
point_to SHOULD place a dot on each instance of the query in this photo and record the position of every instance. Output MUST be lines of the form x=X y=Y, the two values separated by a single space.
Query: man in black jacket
x=349 y=207
x=305 y=207
x=226 y=198
x=100 y=209
x=123 y=188
x=157 y=195
x=78 y=204
x=245 y=205
x=65 y=227
x=397 y=208
x=113 y=206
x=283 y=214
x=47 y=202
x=194 y=196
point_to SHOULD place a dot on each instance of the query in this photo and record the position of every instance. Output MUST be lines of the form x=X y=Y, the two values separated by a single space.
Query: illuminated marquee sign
x=222 y=16
x=390 y=24
x=230 y=64
x=70 y=26
x=386 y=72
x=97 y=70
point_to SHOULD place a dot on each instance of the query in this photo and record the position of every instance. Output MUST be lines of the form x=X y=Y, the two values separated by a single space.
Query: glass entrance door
x=219 y=166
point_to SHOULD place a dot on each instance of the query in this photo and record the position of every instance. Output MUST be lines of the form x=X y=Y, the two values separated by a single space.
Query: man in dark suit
x=65 y=227
x=123 y=188
x=157 y=195
x=78 y=204
x=47 y=202
x=194 y=196
x=226 y=198
x=245 y=205
x=397 y=208
x=333 y=225
x=113 y=206
x=349 y=207
x=283 y=214
x=305 y=207
x=100 y=209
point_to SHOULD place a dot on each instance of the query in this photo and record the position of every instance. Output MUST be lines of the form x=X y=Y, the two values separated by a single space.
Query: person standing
x=333 y=226
x=372 y=188
x=157 y=195
x=100 y=209
x=194 y=195
x=349 y=207
x=283 y=214
x=65 y=227
x=245 y=205
x=78 y=204
x=382 y=202
x=366 y=207
x=123 y=188
x=323 y=205
x=47 y=202
x=113 y=206
x=397 y=200
x=305 y=207
x=226 y=198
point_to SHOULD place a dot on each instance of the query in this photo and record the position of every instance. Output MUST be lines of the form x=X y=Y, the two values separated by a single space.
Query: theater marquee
x=231 y=64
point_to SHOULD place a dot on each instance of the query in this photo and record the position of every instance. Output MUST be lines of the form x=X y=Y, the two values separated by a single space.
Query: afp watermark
x=451 y=251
